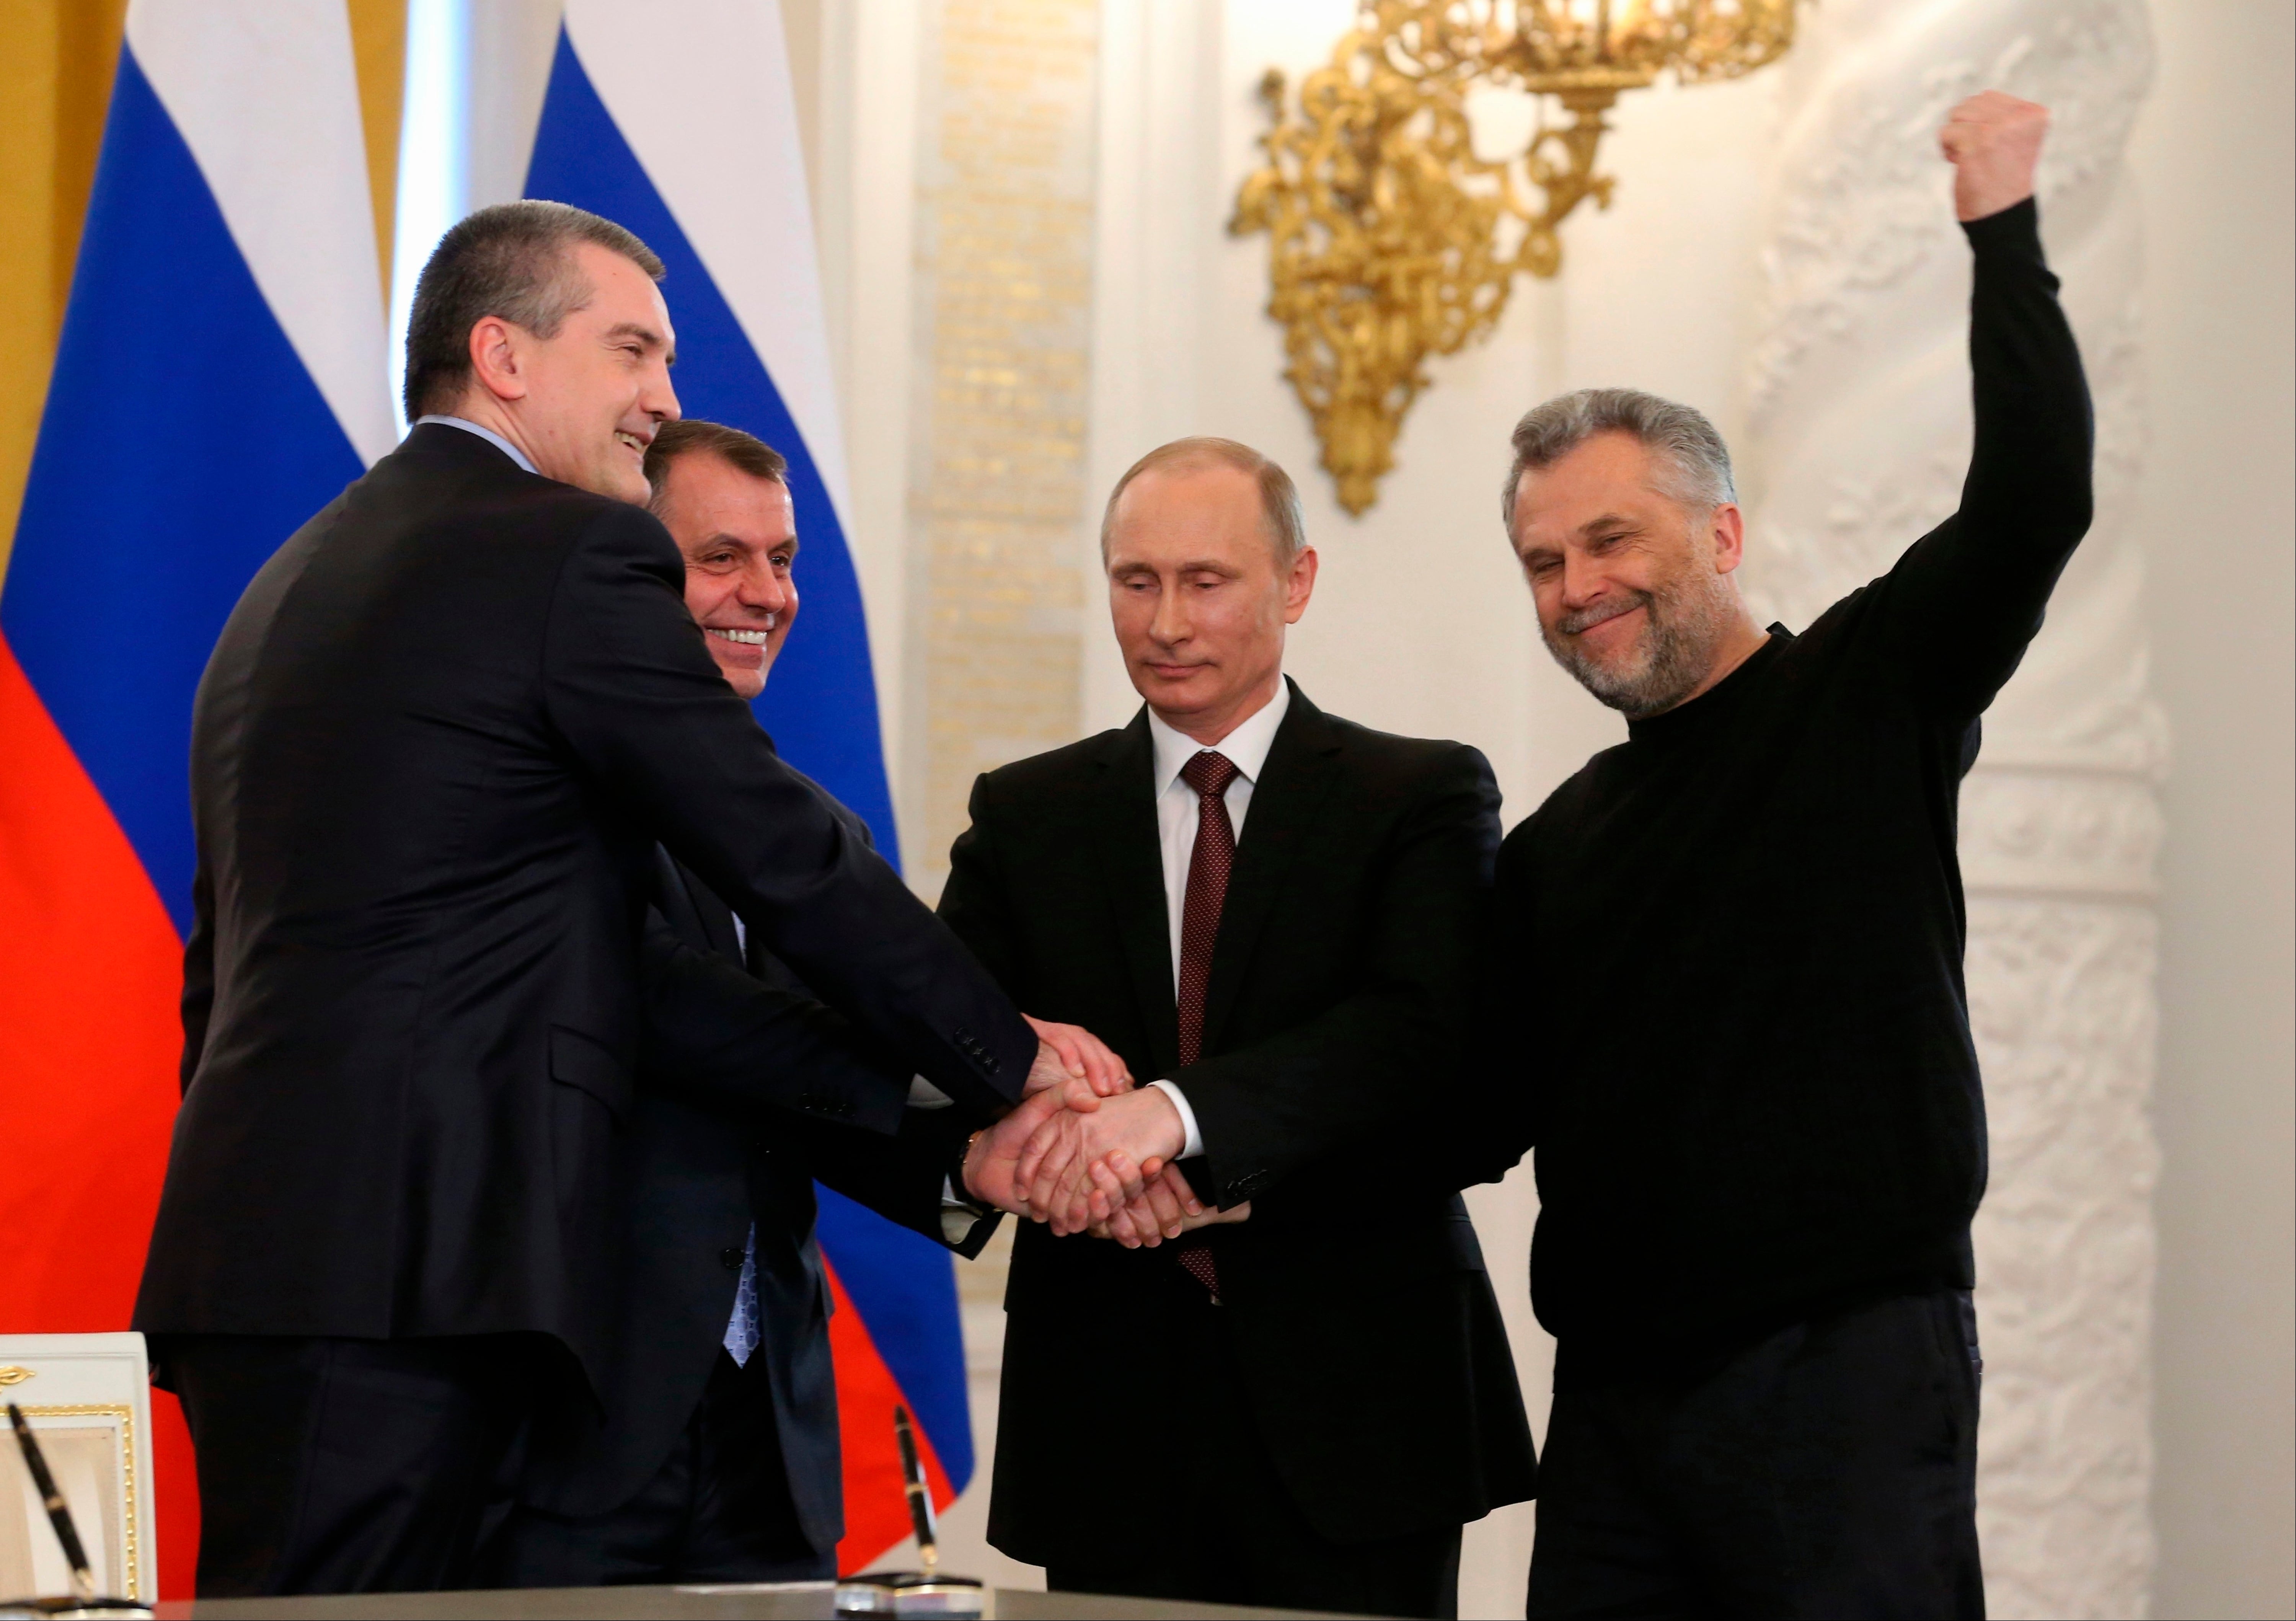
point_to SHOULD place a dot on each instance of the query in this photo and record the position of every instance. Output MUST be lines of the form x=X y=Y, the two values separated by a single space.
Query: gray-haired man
x=1730 y=964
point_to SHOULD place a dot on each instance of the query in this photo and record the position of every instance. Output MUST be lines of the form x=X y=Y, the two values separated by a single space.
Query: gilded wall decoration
x=1391 y=239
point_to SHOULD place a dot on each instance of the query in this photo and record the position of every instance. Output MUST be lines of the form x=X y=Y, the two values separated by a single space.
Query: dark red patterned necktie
x=1208 y=863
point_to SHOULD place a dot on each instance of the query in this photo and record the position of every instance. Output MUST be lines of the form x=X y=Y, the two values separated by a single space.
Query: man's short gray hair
x=1694 y=462
x=1279 y=499
x=514 y=260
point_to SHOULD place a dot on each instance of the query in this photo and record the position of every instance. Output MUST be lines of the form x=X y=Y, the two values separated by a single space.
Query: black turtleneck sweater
x=1731 y=946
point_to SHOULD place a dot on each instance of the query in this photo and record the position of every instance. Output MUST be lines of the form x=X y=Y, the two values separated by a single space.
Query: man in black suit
x=715 y=1455
x=432 y=753
x=1273 y=910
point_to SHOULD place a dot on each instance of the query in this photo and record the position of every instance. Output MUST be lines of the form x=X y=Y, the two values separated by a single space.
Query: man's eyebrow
x=1193 y=566
x=1607 y=521
x=646 y=335
x=726 y=538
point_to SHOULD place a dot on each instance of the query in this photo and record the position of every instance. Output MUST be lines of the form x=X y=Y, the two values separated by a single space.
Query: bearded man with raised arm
x=1728 y=1007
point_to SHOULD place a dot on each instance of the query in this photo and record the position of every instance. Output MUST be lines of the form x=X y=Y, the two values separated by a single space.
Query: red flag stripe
x=876 y=1500
x=91 y=970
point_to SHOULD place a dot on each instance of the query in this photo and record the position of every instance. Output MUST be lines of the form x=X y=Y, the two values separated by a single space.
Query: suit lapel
x=674 y=901
x=1301 y=767
x=1132 y=872
x=710 y=917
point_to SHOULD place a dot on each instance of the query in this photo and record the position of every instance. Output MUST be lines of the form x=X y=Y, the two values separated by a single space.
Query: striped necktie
x=1209 y=773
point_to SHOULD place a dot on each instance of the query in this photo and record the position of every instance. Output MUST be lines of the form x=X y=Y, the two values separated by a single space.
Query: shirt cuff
x=1195 y=1143
x=959 y=1216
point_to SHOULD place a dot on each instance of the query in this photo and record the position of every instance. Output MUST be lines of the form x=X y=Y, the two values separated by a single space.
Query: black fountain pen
x=59 y=1510
x=912 y=1592
x=82 y=1599
x=913 y=1481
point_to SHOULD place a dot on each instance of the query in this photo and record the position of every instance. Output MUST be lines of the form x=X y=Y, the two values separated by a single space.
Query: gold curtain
x=56 y=63
x=57 y=59
x=378 y=37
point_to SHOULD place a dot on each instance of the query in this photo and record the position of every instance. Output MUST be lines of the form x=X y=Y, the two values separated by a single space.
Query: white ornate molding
x=2061 y=999
x=2080 y=834
x=1858 y=398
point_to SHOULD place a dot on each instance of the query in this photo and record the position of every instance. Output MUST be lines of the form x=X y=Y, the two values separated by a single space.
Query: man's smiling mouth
x=748 y=638
x=1587 y=619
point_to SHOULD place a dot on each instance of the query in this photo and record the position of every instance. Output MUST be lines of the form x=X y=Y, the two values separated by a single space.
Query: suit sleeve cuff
x=1195 y=1143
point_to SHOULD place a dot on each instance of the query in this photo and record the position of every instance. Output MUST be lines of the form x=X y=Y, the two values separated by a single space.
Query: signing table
x=796 y=1601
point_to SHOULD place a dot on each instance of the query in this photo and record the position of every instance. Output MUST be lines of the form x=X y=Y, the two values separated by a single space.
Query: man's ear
x=1729 y=538
x=497 y=360
x=1300 y=585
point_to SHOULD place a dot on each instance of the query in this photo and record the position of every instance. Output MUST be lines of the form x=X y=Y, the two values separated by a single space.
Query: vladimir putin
x=1272 y=912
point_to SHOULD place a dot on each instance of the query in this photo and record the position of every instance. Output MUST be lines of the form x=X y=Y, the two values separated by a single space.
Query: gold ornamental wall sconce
x=1391 y=239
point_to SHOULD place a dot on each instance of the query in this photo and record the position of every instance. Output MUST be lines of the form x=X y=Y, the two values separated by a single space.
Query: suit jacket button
x=730 y=1257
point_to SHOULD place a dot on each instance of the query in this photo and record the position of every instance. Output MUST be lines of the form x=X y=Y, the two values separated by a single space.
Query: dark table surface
x=797 y=1601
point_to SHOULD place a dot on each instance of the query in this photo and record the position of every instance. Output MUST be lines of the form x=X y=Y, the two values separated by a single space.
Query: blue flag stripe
x=821 y=705
x=183 y=441
x=904 y=1286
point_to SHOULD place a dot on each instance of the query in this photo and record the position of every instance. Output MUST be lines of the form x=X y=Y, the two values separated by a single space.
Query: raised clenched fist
x=1993 y=141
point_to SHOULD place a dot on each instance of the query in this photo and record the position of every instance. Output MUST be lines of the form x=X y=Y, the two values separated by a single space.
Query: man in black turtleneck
x=1730 y=985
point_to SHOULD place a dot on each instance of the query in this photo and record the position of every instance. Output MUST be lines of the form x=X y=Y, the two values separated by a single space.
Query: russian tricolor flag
x=219 y=378
x=679 y=123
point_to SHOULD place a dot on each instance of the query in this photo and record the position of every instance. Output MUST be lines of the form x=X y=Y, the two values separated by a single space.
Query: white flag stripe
x=701 y=90
x=266 y=95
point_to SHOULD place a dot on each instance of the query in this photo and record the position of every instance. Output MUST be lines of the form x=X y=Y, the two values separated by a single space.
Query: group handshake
x=1087 y=1151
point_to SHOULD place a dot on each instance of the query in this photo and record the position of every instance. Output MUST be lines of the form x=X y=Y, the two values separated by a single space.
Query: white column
x=868 y=65
x=1858 y=397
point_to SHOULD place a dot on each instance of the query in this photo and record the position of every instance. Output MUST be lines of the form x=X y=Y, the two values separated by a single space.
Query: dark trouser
x=1229 y=1533
x=718 y=1510
x=351 y=1465
x=1829 y=1470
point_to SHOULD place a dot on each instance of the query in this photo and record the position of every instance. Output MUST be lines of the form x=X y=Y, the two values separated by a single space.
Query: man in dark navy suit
x=716 y=1457
x=438 y=743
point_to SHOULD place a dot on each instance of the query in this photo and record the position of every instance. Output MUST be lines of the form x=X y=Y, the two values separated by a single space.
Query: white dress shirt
x=1177 y=812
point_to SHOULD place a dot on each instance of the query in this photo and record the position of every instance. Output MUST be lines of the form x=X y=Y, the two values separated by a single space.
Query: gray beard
x=1683 y=626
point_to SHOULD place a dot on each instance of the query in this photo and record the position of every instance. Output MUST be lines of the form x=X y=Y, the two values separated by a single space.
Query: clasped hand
x=1086 y=1153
